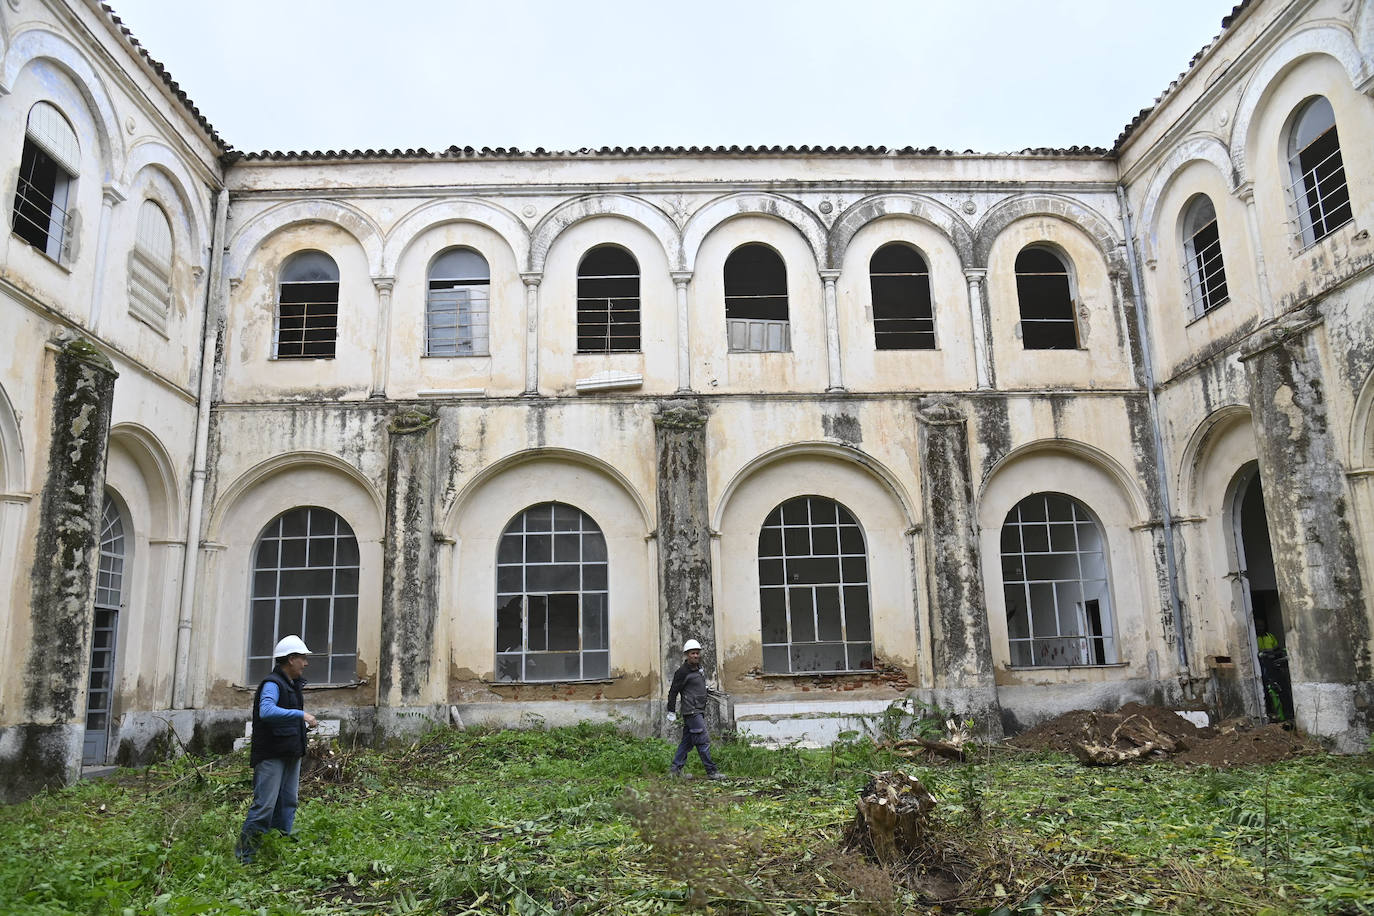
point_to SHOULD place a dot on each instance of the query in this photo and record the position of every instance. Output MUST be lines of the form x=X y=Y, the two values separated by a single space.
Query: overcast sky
x=987 y=75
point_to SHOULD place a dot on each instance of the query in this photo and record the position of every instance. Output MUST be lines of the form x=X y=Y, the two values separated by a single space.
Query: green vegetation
x=583 y=820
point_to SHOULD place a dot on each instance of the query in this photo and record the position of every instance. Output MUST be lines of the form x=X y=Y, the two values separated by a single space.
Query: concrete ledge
x=1340 y=714
x=1028 y=706
x=638 y=717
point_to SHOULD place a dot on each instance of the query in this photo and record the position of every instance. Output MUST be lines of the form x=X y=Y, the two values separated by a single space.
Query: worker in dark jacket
x=690 y=684
x=280 y=723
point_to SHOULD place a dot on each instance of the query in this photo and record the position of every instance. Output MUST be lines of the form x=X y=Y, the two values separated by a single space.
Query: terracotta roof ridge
x=512 y=152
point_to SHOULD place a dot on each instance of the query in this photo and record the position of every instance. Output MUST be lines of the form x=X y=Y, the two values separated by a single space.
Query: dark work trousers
x=694 y=735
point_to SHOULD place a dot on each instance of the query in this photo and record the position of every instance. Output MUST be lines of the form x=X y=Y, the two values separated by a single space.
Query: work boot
x=716 y=776
x=678 y=774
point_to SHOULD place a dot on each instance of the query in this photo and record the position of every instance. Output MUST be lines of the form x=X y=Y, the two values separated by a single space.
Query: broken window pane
x=773 y=604
x=1042 y=290
x=564 y=623
x=900 y=283
x=608 y=301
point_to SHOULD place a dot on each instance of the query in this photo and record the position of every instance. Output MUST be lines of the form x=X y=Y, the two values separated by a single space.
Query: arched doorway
x=109 y=598
x=1260 y=591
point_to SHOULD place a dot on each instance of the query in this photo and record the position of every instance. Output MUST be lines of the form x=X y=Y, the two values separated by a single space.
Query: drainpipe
x=213 y=304
x=1166 y=509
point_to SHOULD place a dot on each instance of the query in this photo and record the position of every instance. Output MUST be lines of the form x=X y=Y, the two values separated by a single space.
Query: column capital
x=111 y=194
x=829 y=274
x=1245 y=191
x=384 y=284
x=680 y=277
x=975 y=274
x=532 y=277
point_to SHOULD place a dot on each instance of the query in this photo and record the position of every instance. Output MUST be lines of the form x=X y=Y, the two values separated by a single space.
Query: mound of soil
x=1228 y=747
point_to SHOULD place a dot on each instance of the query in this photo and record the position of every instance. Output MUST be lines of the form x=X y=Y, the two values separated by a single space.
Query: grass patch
x=582 y=820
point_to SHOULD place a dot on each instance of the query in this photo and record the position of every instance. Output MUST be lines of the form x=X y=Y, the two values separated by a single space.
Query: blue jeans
x=276 y=784
x=694 y=735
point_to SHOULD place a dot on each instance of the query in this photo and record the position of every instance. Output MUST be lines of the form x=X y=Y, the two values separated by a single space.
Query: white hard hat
x=290 y=645
x=691 y=644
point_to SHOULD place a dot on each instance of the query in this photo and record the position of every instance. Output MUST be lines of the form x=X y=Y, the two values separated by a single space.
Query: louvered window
x=150 y=267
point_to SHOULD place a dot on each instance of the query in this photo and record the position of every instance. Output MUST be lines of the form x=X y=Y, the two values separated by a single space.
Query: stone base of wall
x=1024 y=707
x=639 y=717
x=1342 y=715
x=818 y=723
x=406 y=723
x=38 y=757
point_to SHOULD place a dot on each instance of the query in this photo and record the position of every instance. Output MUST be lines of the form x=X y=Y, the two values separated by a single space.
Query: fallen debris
x=891 y=823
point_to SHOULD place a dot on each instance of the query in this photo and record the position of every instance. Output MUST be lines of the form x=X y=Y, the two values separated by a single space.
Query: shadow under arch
x=40 y=44
x=1361 y=445
x=1125 y=482
x=570 y=213
x=1198 y=448
x=851 y=456
x=732 y=206
x=913 y=206
x=267 y=223
x=1194 y=149
x=12 y=475
x=159 y=476
x=285 y=463
x=1003 y=214
x=420 y=220
x=451 y=514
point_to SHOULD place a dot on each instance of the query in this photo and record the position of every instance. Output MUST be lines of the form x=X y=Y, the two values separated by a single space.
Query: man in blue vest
x=279 y=726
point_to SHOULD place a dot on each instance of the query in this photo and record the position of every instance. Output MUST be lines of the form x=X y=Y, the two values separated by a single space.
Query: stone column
x=531 y=331
x=1246 y=192
x=1309 y=509
x=45 y=751
x=110 y=195
x=381 y=356
x=832 y=332
x=961 y=650
x=686 y=603
x=409 y=570
x=982 y=361
x=684 y=331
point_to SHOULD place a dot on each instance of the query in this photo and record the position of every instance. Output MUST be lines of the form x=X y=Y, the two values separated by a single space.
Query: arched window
x=756 y=300
x=1319 y=194
x=813 y=589
x=307 y=308
x=900 y=280
x=48 y=168
x=1202 y=264
x=456 y=307
x=1046 y=300
x=109 y=598
x=305 y=583
x=608 y=301
x=551 y=597
x=1054 y=579
x=150 y=267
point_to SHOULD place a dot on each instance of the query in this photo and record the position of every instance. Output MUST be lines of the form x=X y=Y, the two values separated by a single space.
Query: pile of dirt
x=1116 y=737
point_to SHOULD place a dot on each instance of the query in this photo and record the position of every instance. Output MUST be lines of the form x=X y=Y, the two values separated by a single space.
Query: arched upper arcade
x=158 y=475
x=574 y=211
x=1006 y=212
x=154 y=155
x=350 y=219
x=1124 y=483
x=1197 y=471
x=1330 y=41
x=881 y=206
x=40 y=44
x=437 y=213
x=229 y=502
x=724 y=209
x=1197 y=148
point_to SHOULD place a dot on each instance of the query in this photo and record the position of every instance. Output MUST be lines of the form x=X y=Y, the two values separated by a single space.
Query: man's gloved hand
x=672 y=716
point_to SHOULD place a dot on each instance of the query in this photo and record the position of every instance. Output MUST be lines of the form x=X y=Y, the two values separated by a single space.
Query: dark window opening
x=1043 y=292
x=1320 y=193
x=756 y=300
x=40 y=200
x=456 y=309
x=307 y=308
x=608 y=301
x=1205 y=271
x=902 y=314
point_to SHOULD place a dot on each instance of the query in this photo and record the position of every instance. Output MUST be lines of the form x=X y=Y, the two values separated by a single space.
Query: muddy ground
x=1229 y=744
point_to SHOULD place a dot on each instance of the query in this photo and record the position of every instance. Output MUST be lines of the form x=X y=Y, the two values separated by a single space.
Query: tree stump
x=891 y=821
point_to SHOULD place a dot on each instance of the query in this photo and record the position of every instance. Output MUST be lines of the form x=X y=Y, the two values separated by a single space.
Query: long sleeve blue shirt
x=269 y=711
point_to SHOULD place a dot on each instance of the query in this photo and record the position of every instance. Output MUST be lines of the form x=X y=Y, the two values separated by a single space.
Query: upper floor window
x=150 y=267
x=1046 y=300
x=307 y=320
x=608 y=301
x=456 y=313
x=1202 y=265
x=48 y=168
x=900 y=280
x=813 y=589
x=756 y=300
x=1054 y=581
x=305 y=583
x=551 y=596
x=1318 y=192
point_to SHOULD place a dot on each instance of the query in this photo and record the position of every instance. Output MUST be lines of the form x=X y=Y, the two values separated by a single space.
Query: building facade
x=496 y=431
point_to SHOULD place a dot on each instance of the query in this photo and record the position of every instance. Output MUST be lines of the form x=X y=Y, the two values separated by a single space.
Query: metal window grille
x=551 y=597
x=109 y=591
x=903 y=318
x=41 y=195
x=307 y=320
x=813 y=589
x=1046 y=302
x=1054 y=580
x=1318 y=196
x=1205 y=273
x=456 y=320
x=305 y=583
x=608 y=312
